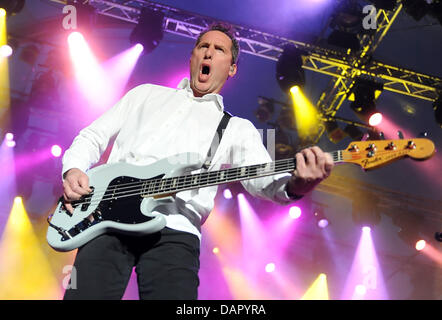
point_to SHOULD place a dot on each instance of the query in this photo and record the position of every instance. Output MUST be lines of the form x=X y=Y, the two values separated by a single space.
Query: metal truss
x=343 y=66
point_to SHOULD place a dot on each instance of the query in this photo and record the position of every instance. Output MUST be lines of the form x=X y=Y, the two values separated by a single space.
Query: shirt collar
x=185 y=84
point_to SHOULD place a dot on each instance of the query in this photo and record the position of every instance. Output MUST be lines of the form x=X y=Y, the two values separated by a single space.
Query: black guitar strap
x=216 y=139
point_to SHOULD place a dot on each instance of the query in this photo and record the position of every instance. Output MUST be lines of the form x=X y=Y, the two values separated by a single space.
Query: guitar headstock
x=376 y=153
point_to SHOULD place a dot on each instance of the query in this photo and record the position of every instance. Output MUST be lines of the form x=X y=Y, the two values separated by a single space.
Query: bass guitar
x=125 y=197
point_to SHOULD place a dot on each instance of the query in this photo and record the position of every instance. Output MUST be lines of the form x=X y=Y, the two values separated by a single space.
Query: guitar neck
x=211 y=178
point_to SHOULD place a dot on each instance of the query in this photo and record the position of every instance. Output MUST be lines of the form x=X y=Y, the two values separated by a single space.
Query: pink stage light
x=270 y=267
x=295 y=212
x=365 y=271
x=366 y=229
x=420 y=245
x=56 y=151
x=375 y=119
x=5 y=51
x=9 y=136
x=10 y=143
x=323 y=223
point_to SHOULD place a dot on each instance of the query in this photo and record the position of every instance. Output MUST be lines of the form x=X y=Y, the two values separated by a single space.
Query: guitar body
x=109 y=208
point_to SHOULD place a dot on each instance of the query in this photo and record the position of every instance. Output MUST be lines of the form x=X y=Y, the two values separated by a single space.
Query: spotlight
x=215 y=250
x=321 y=219
x=56 y=151
x=295 y=212
x=363 y=96
x=149 y=30
x=2 y=12
x=420 y=245
x=5 y=51
x=265 y=110
x=11 y=7
x=437 y=107
x=227 y=194
x=289 y=71
x=9 y=136
x=270 y=267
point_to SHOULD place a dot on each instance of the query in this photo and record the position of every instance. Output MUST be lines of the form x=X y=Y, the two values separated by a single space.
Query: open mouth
x=205 y=70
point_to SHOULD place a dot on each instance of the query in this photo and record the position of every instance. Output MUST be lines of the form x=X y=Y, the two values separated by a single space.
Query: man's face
x=210 y=63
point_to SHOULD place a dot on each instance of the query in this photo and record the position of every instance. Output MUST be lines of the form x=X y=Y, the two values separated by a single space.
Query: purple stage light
x=227 y=194
x=56 y=150
x=366 y=229
x=323 y=223
x=5 y=51
x=139 y=48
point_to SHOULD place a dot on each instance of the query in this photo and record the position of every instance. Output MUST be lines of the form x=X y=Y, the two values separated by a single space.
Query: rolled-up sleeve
x=249 y=150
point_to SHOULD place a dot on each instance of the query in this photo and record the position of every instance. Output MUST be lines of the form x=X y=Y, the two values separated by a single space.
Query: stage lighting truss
x=344 y=67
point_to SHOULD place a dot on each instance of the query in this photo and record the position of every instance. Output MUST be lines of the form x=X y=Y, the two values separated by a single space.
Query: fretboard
x=155 y=187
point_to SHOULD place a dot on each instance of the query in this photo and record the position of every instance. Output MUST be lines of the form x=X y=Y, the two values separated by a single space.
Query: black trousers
x=166 y=264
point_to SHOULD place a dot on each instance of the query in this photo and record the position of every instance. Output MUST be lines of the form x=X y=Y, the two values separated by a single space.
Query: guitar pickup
x=86 y=200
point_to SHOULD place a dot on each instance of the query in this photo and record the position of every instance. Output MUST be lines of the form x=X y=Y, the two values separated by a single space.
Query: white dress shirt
x=153 y=122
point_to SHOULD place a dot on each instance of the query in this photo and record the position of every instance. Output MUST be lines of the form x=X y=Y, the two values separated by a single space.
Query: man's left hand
x=312 y=166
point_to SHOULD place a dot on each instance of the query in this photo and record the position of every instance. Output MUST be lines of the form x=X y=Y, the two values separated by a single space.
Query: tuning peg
x=381 y=135
x=365 y=136
x=423 y=134
x=400 y=134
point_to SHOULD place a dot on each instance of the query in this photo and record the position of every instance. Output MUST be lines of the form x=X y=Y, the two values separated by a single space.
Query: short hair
x=228 y=30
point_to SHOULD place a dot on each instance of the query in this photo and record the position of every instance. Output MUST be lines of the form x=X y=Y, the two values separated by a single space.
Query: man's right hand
x=75 y=185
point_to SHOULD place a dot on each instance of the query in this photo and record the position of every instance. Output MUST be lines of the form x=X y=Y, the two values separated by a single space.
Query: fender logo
x=368 y=161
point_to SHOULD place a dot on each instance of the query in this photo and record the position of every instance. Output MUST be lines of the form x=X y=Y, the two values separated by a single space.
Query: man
x=153 y=122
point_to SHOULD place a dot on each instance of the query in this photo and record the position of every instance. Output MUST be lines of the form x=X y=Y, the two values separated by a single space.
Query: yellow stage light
x=306 y=115
x=4 y=74
x=25 y=272
x=2 y=13
x=318 y=290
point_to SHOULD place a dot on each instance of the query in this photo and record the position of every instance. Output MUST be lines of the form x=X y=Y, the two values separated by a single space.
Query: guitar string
x=135 y=192
x=156 y=186
x=184 y=178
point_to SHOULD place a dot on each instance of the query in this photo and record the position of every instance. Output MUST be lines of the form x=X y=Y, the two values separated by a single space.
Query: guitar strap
x=179 y=206
x=216 y=140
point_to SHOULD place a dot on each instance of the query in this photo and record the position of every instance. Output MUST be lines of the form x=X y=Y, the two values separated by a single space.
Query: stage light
x=360 y=290
x=149 y=30
x=363 y=96
x=437 y=107
x=321 y=220
x=295 y=212
x=305 y=114
x=10 y=144
x=5 y=51
x=420 y=245
x=375 y=119
x=289 y=71
x=56 y=151
x=270 y=267
x=366 y=229
x=139 y=48
x=11 y=7
x=9 y=136
x=227 y=194
x=265 y=110
x=215 y=250
x=318 y=290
